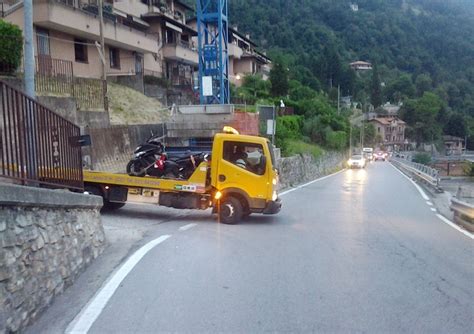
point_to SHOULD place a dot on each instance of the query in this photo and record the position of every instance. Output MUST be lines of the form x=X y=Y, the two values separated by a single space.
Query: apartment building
x=140 y=36
x=245 y=59
x=151 y=37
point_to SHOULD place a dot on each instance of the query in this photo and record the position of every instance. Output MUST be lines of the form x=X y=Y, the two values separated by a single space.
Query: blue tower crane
x=213 y=39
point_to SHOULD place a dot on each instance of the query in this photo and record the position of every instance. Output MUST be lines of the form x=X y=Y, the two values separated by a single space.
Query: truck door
x=243 y=166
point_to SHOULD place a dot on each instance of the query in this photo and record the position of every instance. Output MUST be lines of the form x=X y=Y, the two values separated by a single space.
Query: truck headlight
x=275 y=181
x=275 y=196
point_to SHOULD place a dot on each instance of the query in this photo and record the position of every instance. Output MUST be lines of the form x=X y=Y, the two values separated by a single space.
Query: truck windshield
x=272 y=154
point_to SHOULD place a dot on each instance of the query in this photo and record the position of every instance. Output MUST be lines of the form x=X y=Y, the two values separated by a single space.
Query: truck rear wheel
x=230 y=210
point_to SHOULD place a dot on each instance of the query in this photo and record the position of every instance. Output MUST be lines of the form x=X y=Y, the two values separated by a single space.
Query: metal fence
x=422 y=172
x=54 y=76
x=37 y=146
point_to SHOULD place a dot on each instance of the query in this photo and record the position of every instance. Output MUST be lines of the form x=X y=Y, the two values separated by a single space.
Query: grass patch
x=294 y=147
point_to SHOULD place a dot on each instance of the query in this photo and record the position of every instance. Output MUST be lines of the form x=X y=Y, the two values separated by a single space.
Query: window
x=43 y=41
x=114 y=56
x=80 y=50
x=378 y=129
x=245 y=155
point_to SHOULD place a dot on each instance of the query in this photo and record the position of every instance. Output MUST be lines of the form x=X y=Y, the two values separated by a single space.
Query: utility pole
x=102 y=42
x=29 y=49
x=362 y=130
x=338 y=99
x=32 y=163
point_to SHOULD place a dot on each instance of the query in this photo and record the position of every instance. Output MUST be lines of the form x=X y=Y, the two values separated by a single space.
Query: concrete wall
x=47 y=237
x=303 y=168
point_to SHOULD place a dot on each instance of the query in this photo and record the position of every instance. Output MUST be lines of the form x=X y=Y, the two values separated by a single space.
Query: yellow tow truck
x=238 y=178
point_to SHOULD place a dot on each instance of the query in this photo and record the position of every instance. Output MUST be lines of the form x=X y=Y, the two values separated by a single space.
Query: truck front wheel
x=230 y=210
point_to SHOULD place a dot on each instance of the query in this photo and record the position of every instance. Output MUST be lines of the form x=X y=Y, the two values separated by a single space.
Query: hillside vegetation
x=423 y=52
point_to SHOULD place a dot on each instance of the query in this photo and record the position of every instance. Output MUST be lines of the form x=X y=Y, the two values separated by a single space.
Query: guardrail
x=463 y=214
x=421 y=172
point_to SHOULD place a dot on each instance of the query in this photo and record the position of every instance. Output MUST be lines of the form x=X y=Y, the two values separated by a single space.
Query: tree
x=376 y=88
x=456 y=126
x=279 y=79
x=11 y=45
x=423 y=84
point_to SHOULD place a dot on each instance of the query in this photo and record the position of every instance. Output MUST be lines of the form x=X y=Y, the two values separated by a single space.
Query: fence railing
x=422 y=172
x=463 y=214
x=37 y=146
x=54 y=76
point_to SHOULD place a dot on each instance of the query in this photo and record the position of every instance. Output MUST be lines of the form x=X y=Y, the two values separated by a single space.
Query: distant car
x=357 y=161
x=380 y=156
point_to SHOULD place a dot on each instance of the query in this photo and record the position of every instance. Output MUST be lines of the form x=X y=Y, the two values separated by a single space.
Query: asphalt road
x=360 y=251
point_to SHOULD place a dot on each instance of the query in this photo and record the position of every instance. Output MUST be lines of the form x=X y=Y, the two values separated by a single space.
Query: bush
x=11 y=46
x=336 y=140
x=422 y=158
x=288 y=127
x=293 y=147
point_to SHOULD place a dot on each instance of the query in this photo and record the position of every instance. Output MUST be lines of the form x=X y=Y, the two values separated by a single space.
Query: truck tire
x=111 y=206
x=230 y=211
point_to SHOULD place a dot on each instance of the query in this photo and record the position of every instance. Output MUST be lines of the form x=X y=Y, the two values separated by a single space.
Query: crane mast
x=213 y=40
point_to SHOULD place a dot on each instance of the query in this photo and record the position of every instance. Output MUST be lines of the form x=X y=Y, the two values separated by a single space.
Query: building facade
x=390 y=131
x=142 y=37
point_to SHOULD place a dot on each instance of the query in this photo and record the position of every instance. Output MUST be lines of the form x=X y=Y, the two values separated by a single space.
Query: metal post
x=274 y=126
x=102 y=41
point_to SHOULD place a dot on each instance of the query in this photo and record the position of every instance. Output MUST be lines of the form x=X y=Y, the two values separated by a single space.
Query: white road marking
x=309 y=183
x=433 y=209
x=421 y=191
x=187 y=227
x=88 y=315
x=453 y=225
x=429 y=203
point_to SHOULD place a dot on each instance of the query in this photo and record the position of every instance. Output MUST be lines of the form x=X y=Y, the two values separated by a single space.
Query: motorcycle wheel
x=135 y=168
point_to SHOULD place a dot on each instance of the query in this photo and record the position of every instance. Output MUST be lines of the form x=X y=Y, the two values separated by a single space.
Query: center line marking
x=89 y=314
x=433 y=209
x=429 y=203
x=187 y=227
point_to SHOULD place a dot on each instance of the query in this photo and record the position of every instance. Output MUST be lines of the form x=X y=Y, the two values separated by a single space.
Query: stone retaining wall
x=47 y=237
x=303 y=168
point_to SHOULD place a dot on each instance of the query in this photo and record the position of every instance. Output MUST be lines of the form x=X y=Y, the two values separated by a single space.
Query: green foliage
x=429 y=41
x=422 y=158
x=11 y=46
x=422 y=116
x=293 y=147
x=253 y=88
x=288 y=127
x=336 y=140
x=376 y=88
x=279 y=79
x=456 y=126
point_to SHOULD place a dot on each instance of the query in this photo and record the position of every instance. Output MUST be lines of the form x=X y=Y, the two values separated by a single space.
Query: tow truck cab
x=244 y=177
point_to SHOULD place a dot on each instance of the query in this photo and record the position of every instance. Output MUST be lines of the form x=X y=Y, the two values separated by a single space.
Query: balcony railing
x=56 y=76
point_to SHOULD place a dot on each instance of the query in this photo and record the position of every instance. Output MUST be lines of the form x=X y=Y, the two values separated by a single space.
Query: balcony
x=181 y=52
x=235 y=51
x=73 y=18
